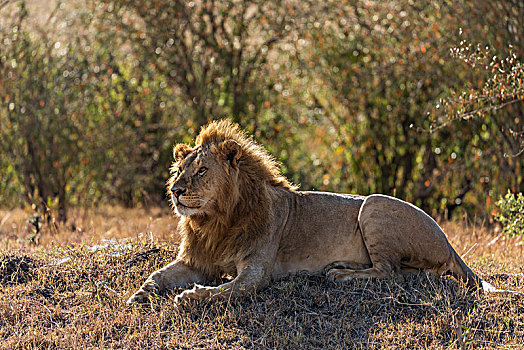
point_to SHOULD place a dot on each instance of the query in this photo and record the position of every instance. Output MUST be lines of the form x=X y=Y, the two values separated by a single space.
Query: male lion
x=240 y=216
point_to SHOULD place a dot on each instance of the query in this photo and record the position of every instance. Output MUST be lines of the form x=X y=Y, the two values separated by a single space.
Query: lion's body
x=240 y=216
x=316 y=229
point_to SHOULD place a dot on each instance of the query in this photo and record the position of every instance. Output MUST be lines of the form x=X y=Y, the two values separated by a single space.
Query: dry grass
x=88 y=226
x=67 y=290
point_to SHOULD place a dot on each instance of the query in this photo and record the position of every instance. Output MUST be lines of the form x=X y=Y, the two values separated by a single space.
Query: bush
x=512 y=213
x=70 y=107
x=345 y=95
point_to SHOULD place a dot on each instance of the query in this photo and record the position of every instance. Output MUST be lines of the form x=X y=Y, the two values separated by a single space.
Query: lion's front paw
x=142 y=295
x=183 y=298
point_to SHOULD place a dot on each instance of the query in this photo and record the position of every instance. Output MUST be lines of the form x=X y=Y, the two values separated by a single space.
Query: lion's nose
x=177 y=191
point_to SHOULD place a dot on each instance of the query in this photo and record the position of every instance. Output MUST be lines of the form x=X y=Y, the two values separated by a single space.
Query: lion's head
x=224 y=166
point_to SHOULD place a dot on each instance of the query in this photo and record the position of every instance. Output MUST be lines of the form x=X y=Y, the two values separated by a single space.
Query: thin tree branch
x=515 y=155
x=488 y=108
x=4 y=3
x=469 y=115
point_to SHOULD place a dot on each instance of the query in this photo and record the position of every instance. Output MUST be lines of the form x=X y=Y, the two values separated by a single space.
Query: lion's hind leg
x=338 y=274
x=378 y=235
x=339 y=267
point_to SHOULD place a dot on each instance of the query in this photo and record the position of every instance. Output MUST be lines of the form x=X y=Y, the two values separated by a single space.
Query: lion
x=239 y=216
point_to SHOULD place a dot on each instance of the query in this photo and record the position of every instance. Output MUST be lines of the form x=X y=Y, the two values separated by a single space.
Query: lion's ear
x=231 y=150
x=180 y=151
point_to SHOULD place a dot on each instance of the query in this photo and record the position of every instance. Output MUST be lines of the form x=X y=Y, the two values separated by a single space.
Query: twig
x=50 y=313
x=469 y=115
x=515 y=155
x=457 y=327
x=466 y=253
x=4 y=4
x=494 y=240
x=111 y=290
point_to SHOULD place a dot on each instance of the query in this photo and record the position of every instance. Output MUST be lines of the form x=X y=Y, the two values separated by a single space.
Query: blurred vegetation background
x=419 y=99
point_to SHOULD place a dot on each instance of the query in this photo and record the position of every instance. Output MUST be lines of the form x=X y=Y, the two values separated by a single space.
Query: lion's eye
x=201 y=171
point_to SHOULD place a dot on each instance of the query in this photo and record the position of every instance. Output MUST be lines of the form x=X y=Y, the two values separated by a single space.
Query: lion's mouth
x=178 y=203
x=190 y=205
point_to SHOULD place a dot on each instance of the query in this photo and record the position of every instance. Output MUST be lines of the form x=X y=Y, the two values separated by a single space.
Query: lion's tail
x=462 y=272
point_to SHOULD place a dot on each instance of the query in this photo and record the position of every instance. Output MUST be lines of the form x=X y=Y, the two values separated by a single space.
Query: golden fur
x=216 y=240
x=239 y=216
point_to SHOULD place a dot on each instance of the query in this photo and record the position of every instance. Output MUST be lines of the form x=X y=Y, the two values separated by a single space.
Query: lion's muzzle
x=177 y=191
x=189 y=201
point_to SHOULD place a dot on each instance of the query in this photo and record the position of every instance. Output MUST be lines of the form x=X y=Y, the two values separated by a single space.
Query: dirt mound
x=16 y=269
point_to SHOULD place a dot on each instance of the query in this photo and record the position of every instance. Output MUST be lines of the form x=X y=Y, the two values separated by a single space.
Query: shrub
x=511 y=214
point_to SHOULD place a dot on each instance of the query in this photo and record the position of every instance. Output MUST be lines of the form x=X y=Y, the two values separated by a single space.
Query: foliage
x=377 y=62
x=42 y=112
x=503 y=87
x=70 y=109
x=352 y=96
x=372 y=75
x=511 y=214
x=215 y=52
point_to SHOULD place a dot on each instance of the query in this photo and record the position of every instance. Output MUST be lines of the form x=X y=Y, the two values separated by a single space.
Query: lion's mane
x=242 y=210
